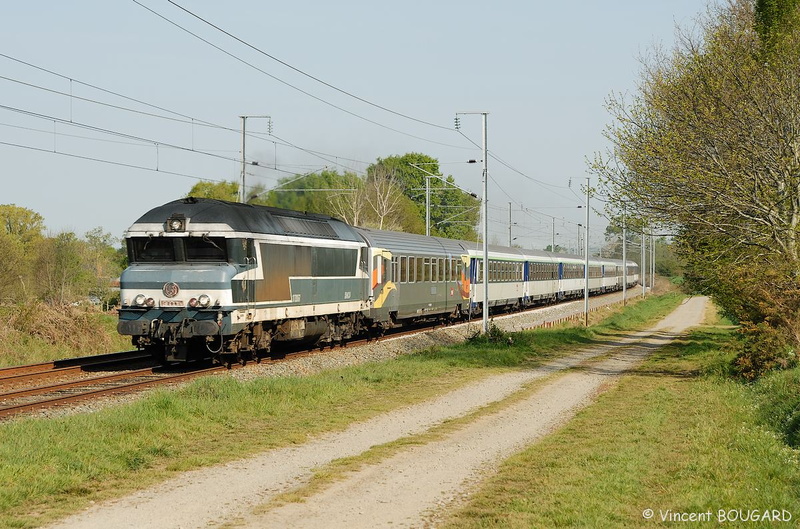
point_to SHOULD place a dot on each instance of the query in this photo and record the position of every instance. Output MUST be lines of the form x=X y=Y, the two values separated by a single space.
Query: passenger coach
x=208 y=278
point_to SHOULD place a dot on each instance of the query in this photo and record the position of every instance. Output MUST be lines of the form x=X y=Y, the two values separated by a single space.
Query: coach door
x=250 y=276
x=381 y=281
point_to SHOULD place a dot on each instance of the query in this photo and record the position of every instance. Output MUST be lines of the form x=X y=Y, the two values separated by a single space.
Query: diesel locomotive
x=231 y=281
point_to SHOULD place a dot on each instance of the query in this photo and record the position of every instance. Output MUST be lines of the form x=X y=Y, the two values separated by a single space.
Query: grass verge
x=56 y=466
x=675 y=442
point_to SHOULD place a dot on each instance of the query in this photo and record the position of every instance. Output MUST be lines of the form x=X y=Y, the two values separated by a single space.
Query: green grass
x=778 y=403
x=52 y=467
x=673 y=437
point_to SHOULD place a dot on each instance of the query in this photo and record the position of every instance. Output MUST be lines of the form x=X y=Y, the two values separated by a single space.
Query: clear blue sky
x=542 y=70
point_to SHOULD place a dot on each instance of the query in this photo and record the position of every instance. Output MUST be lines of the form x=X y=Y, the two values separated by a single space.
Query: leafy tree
x=375 y=201
x=220 y=190
x=101 y=259
x=21 y=223
x=62 y=276
x=20 y=230
x=14 y=270
x=390 y=196
x=710 y=148
x=303 y=192
x=453 y=213
x=774 y=18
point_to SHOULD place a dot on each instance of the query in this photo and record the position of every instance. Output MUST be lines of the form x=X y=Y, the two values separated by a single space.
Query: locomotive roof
x=245 y=218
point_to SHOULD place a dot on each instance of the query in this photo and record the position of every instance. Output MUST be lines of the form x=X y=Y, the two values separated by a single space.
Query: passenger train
x=231 y=281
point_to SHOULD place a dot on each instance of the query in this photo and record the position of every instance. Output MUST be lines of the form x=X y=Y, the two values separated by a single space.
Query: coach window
x=434 y=269
x=420 y=269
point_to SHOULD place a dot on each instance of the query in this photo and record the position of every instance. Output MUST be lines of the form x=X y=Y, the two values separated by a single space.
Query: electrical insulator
x=458 y=123
x=269 y=127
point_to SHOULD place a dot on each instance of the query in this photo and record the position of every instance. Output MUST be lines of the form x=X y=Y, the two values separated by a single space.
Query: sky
x=108 y=109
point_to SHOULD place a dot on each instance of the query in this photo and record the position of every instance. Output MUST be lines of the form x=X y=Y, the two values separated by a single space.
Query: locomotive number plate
x=172 y=303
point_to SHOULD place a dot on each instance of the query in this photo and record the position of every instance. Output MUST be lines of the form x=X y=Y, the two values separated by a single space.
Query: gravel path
x=404 y=490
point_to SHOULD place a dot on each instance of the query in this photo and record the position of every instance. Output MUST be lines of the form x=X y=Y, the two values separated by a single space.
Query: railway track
x=19 y=401
x=68 y=365
x=22 y=391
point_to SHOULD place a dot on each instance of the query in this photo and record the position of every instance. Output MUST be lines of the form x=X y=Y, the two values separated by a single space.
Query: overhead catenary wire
x=182 y=118
x=298 y=70
x=111 y=162
x=187 y=119
x=102 y=130
x=297 y=88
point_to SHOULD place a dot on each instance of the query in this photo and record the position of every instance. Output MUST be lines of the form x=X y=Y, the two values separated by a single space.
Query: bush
x=495 y=335
x=765 y=348
x=35 y=332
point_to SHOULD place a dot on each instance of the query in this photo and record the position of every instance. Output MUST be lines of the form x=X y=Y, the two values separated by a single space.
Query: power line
x=113 y=132
x=187 y=119
x=111 y=162
x=502 y=162
x=298 y=70
x=309 y=94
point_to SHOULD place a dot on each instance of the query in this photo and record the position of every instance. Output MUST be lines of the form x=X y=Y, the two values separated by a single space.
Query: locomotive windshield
x=177 y=249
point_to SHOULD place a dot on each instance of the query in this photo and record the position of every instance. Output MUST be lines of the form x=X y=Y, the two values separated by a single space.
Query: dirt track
x=404 y=490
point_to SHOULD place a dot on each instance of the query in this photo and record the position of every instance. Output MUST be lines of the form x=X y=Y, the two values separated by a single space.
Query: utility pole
x=509 y=225
x=586 y=267
x=652 y=262
x=243 y=190
x=553 y=246
x=427 y=206
x=485 y=212
x=643 y=268
x=624 y=262
x=485 y=229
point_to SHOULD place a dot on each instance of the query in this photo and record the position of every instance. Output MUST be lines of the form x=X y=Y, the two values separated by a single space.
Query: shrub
x=764 y=349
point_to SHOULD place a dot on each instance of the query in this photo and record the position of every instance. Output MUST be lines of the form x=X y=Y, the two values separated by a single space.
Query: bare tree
x=350 y=205
x=384 y=197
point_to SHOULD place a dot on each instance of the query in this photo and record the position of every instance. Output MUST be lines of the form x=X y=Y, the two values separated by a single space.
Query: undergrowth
x=37 y=332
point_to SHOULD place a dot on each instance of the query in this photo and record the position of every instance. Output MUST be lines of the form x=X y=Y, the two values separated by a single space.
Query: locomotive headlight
x=139 y=300
x=150 y=302
x=202 y=301
x=176 y=222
